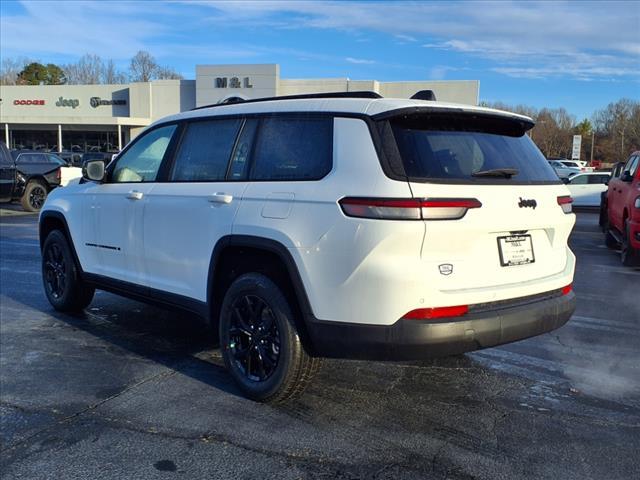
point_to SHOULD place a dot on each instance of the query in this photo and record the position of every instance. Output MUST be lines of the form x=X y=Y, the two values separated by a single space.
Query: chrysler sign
x=96 y=102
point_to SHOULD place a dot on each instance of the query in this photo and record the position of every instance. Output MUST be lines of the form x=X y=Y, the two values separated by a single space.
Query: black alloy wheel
x=63 y=284
x=34 y=196
x=55 y=271
x=260 y=340
x=37 y=196
x=254 y=338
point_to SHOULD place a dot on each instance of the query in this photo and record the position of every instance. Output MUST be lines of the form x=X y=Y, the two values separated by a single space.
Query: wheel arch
x=51 y=220
x=234 y=255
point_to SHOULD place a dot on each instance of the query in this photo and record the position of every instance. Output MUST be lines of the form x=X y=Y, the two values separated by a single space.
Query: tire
x=260 y=343
x=34 y=196
x=610 y=241
x=603 y=220
x=630 y=256
x=64 y=288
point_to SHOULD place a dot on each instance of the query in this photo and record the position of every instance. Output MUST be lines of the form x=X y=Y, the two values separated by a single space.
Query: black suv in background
x=28 y=176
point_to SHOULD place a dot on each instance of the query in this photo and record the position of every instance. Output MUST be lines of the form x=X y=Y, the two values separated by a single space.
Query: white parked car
x=563 y=170
x=329 y=225
x=586 y=188
x=582 y=165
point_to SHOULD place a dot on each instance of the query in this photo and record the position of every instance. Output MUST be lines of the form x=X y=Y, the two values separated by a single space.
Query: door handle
x=220 y=198
x=135 y=195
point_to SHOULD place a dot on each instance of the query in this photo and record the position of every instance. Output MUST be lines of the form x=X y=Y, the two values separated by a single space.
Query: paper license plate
x=515 y=250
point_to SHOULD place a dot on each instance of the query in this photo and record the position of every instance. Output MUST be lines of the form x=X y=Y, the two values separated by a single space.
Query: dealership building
x=82 y=117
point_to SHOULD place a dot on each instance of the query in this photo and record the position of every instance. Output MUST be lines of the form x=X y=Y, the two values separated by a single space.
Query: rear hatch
x=495 y=212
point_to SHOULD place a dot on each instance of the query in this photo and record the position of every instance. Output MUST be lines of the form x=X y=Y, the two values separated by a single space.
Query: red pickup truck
x=623 y=211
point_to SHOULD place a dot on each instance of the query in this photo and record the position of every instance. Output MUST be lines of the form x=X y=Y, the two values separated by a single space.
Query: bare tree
x=111 y=74
x=167 y=73
x=86 y=71
x=11 y=68
x=618 y=130
x=143 y=67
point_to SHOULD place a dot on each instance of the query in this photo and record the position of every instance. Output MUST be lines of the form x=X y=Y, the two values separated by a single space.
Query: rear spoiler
x=458 y=119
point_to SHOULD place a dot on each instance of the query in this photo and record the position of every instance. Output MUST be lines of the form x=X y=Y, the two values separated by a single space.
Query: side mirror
x=93 y=170
x=113 y=157
x=606 y=182
x=626 y=177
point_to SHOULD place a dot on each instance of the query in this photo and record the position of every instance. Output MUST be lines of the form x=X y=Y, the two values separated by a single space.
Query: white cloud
x=405 y=38
x=360 y=61
x=113 y=29
x=595 y=37
x=580 y=40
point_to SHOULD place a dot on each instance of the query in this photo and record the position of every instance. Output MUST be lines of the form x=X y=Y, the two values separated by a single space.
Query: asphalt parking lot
x=129 y=391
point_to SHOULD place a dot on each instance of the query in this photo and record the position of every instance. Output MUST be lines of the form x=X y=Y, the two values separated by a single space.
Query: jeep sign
x=67 y=102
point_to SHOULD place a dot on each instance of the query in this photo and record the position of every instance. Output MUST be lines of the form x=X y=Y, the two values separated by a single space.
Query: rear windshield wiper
x=497 y=172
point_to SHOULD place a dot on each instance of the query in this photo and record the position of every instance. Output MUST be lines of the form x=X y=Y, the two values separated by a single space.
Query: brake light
x=438 y=312
x=59 y=173
x=566 y=290
x=565 y=202
x=408 y=208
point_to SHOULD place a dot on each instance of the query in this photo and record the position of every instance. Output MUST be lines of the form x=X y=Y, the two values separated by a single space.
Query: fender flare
x=271 y=246
x=58 y=216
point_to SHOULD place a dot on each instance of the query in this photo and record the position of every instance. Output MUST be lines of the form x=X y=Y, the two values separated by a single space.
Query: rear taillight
x=438 y=312
x=566 y=290
x=59 y=173
x=565 y=202
x=409 y=208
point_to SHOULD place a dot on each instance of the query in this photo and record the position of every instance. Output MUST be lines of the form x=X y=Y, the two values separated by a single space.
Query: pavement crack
x=91 y=407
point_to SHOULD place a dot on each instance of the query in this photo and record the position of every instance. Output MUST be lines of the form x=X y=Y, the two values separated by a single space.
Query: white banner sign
x=575 y=151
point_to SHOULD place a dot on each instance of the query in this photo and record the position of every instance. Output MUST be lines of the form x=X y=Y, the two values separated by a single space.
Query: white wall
x=263 y=78
x=80 y=95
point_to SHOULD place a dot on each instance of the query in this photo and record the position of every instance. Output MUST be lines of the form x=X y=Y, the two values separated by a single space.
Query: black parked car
x=28 y=176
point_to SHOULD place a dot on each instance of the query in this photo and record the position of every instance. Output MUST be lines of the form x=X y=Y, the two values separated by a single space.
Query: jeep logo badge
x=524 y=203
x=445 y=269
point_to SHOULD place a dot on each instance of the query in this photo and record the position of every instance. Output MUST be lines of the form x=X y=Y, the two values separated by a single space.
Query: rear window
x=32 y=158
x=461 y=149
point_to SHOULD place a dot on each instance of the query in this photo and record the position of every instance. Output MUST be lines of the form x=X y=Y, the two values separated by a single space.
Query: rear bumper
x=417 y=339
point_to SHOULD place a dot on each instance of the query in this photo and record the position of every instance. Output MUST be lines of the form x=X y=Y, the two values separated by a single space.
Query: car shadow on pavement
x=177 y=340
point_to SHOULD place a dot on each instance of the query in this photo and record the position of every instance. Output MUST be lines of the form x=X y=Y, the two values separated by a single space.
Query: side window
x=293 y=148
x=31 y=158
x=55 y=159
x=633 y=168
x=141 y=162
x=205 y=150
x=579 y=180
x=598 y=179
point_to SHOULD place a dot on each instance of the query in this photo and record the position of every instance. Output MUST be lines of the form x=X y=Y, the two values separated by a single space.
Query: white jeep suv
x=334 y=225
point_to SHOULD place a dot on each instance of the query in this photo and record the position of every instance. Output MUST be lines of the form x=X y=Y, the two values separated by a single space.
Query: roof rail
x=234 y=100
x=424 y=95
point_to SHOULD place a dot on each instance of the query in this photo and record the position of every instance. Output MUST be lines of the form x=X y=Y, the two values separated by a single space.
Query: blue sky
x=581 y=55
